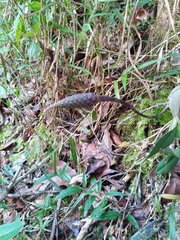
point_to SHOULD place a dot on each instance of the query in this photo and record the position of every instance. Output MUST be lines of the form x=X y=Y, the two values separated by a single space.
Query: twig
x=84 y=229
x=10 y=186
x=26 y=194
x=55 y=221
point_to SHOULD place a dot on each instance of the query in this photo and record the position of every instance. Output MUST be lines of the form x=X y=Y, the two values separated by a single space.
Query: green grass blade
x=73 y=151
x=70 y=190
x=133 y=221
x=88 y=204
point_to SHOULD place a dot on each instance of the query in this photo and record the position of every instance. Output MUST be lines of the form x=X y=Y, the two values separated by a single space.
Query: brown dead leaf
x=107 y=79
x=96 y=156
x=108 y=171
x=95 y=166
x=122 y=202
x=3 y=158
x=27 y=133
x=176 y=169
x=141 y=15
x=116 y=139
x=106 y=137
x=173 y=187
x=119 y=184
x=19 y=204
x=79 y=85
x=9 y=216
x=103 y=110
x=141 y=212
x=9 y=145
x=31 y=189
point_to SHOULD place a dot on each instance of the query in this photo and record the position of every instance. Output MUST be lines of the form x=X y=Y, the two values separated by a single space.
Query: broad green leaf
x=9 y=230
x=81 y=69
x=70 y=190
x=36 y=28
x=68 y=51
x=178 y=131
x=146 y=64
x=107 y=1
x=176 y=54
x=109 y=215
x=88 y=204
x=86 y=130
x=96 y=185
x=101 y=14
x=8 y=170
x=84 y=181
x=173 y=153
x=116 y=194
x=3 y=92
x=133 y=221
x=33 y=49
x=52 y=154
x=63 y=29
x=157 y=204
x=124 y=80
x=170 y=196
x=29 y=34
x=164 y=74
x=35 y=5
x=51 y=181
x=116 y=89
x=53 y=157
x=73 y=156
x=100 y=209
x=18 y=28
x=86 y=27
x=167 y=164
x=63 y=173
x=94 y=115
x=78 y=200
x=143 y=2
x=163 y=142
x=172 y=223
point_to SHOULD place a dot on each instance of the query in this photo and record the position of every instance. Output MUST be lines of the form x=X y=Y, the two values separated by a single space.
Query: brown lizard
x=89 y=100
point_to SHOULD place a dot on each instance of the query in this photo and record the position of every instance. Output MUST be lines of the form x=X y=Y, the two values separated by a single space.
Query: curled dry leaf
x=115 y=137
x=19 y=204
x=118 y=184
x=106 y=140
x=173 y=187
x=27 y=133
x=141 y=15
x=141 y=212
x=96 y=156
x=9 y=216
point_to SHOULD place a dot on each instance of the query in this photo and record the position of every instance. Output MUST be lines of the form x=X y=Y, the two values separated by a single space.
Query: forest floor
x=88 y=173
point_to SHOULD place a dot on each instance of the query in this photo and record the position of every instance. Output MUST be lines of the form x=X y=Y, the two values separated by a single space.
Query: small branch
x=55 y=221
x=10 y=186
x=26 y=194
